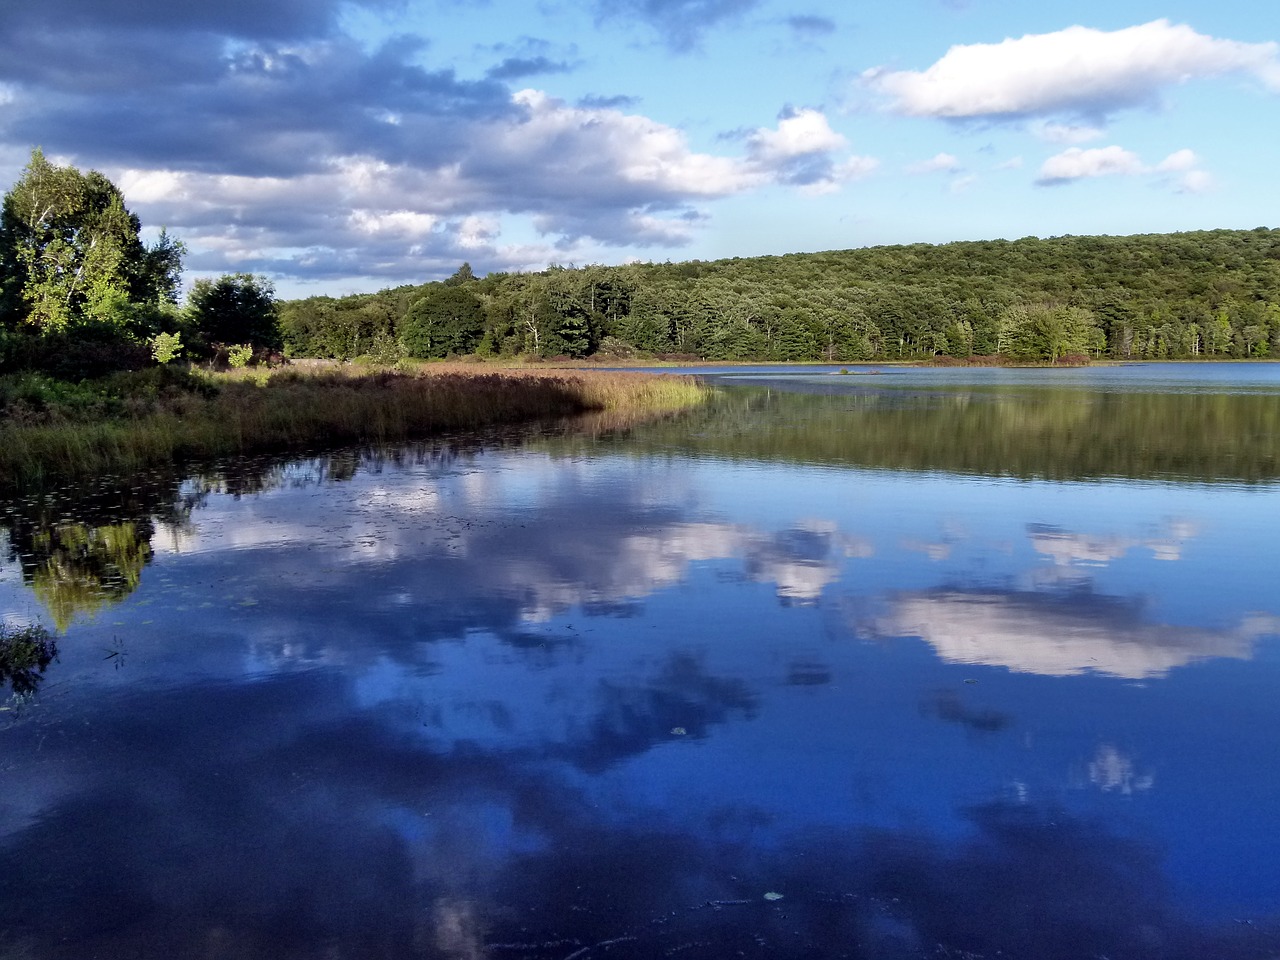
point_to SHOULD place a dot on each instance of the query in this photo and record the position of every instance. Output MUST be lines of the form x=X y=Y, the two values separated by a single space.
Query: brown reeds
x=259 y=412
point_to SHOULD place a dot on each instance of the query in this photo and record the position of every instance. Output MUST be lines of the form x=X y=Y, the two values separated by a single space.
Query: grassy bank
x=53 y=430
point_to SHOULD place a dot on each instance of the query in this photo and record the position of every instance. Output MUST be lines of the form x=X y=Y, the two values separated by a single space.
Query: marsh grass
x=249 y=411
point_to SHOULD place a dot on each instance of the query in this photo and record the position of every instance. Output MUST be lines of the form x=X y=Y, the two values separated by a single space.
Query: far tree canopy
x=446 y=320
x=236 y=308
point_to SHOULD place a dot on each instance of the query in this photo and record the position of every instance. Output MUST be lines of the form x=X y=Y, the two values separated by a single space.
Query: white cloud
x=1077 y=164
x=961 y=184
x=801 y=132
x=576 y=174
x=1078 y=70
x=392 y=223
x=1195 y=181
x=1178 y=161
x=605 y=144
x=855 y=168
x=476 y=232
x=1013 y=163
x=938 y=163
x=800 y=152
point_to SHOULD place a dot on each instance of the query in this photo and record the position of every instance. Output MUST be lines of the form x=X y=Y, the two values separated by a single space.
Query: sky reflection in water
x=600 y=698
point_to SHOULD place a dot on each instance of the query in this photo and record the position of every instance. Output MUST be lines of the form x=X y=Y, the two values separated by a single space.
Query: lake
x=898 y=663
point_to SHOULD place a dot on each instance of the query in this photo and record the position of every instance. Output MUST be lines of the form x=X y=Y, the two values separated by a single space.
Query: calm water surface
x=945 y=663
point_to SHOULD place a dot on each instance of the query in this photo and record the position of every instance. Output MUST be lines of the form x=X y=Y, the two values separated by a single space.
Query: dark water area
x=901 y=664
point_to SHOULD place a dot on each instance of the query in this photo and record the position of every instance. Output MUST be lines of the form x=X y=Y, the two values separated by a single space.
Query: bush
x=239 y=354
x=166 y=347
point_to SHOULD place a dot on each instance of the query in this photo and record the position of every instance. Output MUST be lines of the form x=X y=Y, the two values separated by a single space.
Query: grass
x=123 y=424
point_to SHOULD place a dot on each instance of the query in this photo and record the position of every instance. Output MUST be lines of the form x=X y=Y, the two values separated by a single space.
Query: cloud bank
x=1077 y=71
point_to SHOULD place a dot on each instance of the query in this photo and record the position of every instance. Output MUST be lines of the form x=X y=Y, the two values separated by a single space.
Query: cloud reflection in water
x=507 y=706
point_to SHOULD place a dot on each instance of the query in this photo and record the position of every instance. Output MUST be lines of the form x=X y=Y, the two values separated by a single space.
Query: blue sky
x=347 y=146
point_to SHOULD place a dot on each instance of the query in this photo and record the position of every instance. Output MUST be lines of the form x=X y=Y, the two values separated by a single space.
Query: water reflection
x=1022 y=428
x=25 y=654
x=1068 y=549
x=582 y=699
x=1060 y=634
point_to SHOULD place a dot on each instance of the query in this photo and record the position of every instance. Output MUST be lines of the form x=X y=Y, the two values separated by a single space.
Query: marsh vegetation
x=129 y=422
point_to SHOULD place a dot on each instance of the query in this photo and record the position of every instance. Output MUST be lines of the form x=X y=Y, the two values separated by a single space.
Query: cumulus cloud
x=1059 y=634
x=801 y=151
x=617 y=101
x=1178 y=162
x=1076 y=163
x=1077 y=71
x=1195 y=181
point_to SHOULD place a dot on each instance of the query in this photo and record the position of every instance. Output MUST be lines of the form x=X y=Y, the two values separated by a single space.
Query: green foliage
x=166 y=347
x=445 y=320
x=239 y=354
x=71 y=256
x=461 y=276
x=347 y=327
x=235 y=308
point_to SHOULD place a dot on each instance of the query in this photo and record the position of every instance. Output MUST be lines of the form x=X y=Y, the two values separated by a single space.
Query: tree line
x=1203 y=295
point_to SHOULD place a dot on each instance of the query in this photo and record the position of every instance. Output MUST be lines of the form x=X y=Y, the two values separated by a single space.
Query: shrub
x=239 y=354
x=166 y=347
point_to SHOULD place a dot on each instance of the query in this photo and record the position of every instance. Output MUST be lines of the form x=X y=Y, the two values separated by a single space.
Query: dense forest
x=1206 y=295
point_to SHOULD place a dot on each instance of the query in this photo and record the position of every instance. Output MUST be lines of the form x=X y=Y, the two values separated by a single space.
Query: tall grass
x=248 y=412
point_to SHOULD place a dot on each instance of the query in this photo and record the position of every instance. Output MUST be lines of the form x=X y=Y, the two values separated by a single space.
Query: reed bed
x=255 y=412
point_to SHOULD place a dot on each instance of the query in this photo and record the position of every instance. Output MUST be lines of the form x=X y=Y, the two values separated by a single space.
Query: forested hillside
x=1212 y=294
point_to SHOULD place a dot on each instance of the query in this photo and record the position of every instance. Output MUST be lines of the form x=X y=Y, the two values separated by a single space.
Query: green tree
x=461 y=277
x=447 y=320
x=235 y=308
x=71 y=256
